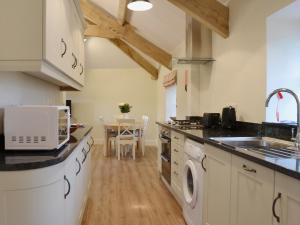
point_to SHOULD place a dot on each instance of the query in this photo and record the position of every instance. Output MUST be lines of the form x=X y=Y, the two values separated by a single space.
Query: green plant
x=124 y=107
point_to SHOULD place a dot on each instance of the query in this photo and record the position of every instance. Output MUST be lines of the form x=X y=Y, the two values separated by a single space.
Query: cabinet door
x=286 y=200
x=81 y=59
x=217 y=186
x=70 y=190
x=35 y=206
x=252 y=192
x=55 y=43
x=21 y=30
x=67 y=15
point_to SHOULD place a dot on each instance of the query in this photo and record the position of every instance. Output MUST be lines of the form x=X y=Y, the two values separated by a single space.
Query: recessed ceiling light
x=139 y=5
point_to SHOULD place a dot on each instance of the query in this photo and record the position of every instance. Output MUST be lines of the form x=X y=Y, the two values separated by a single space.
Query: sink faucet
x=297 y=140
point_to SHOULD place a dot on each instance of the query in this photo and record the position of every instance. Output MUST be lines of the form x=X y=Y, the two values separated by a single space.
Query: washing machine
x=193 y=183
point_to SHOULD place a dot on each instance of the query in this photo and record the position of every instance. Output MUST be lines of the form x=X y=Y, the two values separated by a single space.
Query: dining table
x=113 y=127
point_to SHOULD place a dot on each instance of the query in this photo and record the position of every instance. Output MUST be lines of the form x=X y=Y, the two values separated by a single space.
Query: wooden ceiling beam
x=122 y=12
x=137 y=57
x=97 y=31
x=127 y=32
x=210 y=13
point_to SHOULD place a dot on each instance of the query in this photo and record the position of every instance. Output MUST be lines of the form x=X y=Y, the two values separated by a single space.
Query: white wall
x=106 y=88
x=239 y=74
x=19 y=88
x=238 y=77
x=283 y=44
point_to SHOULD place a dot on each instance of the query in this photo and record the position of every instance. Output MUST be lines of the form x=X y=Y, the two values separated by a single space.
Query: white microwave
x=36 y=127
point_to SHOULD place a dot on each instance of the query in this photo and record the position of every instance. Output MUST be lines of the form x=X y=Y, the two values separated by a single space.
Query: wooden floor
x=129 y=192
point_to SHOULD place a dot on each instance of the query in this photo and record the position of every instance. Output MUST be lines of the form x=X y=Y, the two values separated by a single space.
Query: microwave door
x=63 y=127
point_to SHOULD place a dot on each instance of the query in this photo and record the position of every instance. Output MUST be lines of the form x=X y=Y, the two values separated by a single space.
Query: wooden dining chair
x=126 y=137
x=144 y=132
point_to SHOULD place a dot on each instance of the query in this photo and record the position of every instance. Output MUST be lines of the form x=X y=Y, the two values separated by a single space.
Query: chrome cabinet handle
x=85 y=155
x=246 y=168
x=176 y=163
x=176 y=138
x=69 y=186
x=65 y=50
x=274 y=206
x=202 y=163
x=175 y=173
x=175 y=150
x=75 y=61
x=81 y=69
x=79 y=169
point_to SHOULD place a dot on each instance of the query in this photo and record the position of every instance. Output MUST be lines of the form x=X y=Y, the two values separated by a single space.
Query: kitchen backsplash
x=17 y=88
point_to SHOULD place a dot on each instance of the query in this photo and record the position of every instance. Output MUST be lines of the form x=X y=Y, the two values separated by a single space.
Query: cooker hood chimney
x=198 y=44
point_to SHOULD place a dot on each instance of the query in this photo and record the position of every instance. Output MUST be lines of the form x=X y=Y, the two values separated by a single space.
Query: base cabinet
x=177 y=156
x=47 y=196
x=216 y=187
x=286 y=200
x=252 y=191
x=34 y=206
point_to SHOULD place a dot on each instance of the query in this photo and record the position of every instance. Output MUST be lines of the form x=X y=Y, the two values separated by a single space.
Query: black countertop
x=28 y=160
x=287 y=166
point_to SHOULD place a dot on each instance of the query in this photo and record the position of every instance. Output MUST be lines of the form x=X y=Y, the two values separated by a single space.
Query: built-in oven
x=165 y=139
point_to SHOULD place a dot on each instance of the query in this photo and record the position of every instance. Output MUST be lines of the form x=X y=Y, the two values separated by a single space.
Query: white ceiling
x=163 y=25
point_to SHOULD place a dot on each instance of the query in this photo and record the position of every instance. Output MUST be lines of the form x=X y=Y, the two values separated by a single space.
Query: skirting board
x=100 y=141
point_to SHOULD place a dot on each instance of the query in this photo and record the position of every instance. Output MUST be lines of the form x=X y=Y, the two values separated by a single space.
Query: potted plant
x=125 y=109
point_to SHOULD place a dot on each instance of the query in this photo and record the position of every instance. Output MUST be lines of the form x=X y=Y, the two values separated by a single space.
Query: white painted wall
x=238 y=77
x=284 y=60
x=239 y=74
x=20 y=89
x=106 y=88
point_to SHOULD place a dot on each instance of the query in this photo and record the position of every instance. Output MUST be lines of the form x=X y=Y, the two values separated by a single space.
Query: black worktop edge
x=64 y=153
x=270 y=165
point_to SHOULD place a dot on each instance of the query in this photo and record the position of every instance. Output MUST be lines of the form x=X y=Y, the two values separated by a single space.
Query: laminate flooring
x=129 y=192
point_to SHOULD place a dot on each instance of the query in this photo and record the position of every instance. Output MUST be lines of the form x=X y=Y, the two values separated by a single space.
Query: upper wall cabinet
x=43 y=38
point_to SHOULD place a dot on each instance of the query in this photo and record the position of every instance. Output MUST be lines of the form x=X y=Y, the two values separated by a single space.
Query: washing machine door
x=190 y=183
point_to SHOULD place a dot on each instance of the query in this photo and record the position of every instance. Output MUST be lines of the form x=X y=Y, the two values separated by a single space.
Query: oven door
x=64 y=125
x=166 y=168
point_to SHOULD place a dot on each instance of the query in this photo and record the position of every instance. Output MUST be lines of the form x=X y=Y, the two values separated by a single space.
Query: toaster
x=211 y=120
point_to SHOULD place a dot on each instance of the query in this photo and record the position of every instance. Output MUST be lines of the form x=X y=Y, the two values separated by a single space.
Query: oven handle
x=164 y=140
x=164 y=158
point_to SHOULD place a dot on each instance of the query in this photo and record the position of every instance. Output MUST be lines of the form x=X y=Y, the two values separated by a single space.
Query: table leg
x=105 y=142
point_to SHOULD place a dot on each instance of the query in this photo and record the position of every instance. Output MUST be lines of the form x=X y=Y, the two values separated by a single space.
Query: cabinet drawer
x=176 y=151
x=176 y=176
x=177 y=138
x=252 y=169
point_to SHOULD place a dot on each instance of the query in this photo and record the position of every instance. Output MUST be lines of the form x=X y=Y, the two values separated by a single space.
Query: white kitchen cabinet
x=70 y=196
x=43 y=38
x=177 y=152
x=52 y=195
x=216 y=186
x=252 y=190
x=286 y=200
x=33 y=197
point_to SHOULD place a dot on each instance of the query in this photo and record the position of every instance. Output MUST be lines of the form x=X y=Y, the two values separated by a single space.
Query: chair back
x=145 y=124
x=126 y=128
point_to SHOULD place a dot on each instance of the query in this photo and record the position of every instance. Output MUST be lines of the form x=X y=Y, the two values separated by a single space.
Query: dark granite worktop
x=287 y=166
x=27 y=160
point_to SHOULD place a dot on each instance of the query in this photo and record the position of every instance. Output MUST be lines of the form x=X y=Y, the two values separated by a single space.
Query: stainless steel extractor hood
x=198 y=44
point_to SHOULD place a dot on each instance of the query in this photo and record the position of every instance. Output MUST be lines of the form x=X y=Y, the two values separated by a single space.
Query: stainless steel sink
x=261 y=145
